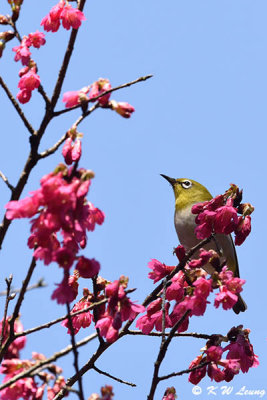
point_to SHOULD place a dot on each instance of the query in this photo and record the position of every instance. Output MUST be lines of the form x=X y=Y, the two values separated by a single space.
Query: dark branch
x=75 y=353
x=113 y=377
x=16 y=106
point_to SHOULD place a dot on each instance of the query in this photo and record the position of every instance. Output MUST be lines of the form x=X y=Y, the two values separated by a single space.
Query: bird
x=188 y=192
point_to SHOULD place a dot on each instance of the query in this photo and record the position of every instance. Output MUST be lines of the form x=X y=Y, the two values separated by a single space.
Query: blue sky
x=202 y=116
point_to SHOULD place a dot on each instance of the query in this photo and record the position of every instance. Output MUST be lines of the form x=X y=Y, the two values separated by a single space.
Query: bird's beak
x=172 y=181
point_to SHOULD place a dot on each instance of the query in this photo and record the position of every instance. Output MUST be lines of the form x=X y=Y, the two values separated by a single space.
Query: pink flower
x=147 y=322
x=24 y=96
x=203 y=259
x=87 y=268
x=178 y=313
x=203 y=287
x=36 y=39
x=226 y=219
x=98 y=87
x=159 y=270
x=71 y=17
x=243 y=229
x=226 y=298
x=24 y=388
x=18 y=344
x=179 y=252
x=24 y=208
x=66 y=291
x=51 y=22
x=214 y=353
x=122 y=108
x=75 y=97
x=198 y=374
x=106 y=329
x=29 y=81
x=176 y=290
x=214 y=372
x=205 y=222
x=71 y=152
x=22 y=53
x=81 y=320
x=242 y=350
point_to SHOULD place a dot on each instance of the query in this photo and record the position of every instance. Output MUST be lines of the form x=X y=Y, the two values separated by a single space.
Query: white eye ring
x=186 y=184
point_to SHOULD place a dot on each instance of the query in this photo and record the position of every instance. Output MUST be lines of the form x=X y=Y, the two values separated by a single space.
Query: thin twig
x=161 y=355
x=41 y=283
x=75 y=353
x=43 y=363
x=113 y=377
x=54 y=148
x=163 y=336
x=11 y=187
x=8 y=298
x=16 y=106
x=44 y=95
x=124 y=85
x=159 y=334
x=56 y=321
x=185 y=371
x=65 y=63
x=15 y=314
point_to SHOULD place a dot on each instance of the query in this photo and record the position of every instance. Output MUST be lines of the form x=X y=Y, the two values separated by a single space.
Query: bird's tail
x=240 y=305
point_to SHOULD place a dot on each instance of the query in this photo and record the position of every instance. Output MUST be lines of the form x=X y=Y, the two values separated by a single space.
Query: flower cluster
x=65 y=13
x=60 y=207
x=119 y=309
x=28 y=388
x=220 y=215
x=84 y=319
x=240 y=356
x=106 y=394
x=109 y=315
x=18 y=344
x=189 y=289
x=29 y=80
x=93 y=93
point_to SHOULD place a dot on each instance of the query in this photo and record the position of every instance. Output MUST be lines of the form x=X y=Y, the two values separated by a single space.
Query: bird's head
x=187 y=192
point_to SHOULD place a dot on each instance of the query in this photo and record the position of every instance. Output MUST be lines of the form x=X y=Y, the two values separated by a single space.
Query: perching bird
x=187 y=193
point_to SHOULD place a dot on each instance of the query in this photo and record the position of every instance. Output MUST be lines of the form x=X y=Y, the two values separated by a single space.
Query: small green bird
x=187 y=193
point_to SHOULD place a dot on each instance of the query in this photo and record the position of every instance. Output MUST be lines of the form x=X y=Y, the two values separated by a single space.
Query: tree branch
x=11 y=187
x=16 y=106
x=15 y=314
x=41 y=283
x=44 y=363
x=8 y=298
x=124 y=85
x=75 y=353
x=113 y=377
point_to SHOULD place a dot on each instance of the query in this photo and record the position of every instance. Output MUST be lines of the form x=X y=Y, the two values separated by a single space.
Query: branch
x=8 y=298
x=178 y=268
x=161 y=355
x=75 y=353
x=185 y=371
x=66 y=60
x=54 y=148
x=113 y=377
x=40 y=364
x=159 y=334
x=15 y=314
x=6 y=181
x=41 y=283
x=56 y=321
x=16 y=106
x=124 y=85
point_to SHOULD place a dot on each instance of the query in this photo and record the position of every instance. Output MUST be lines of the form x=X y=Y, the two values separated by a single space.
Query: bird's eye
x=186 y=184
